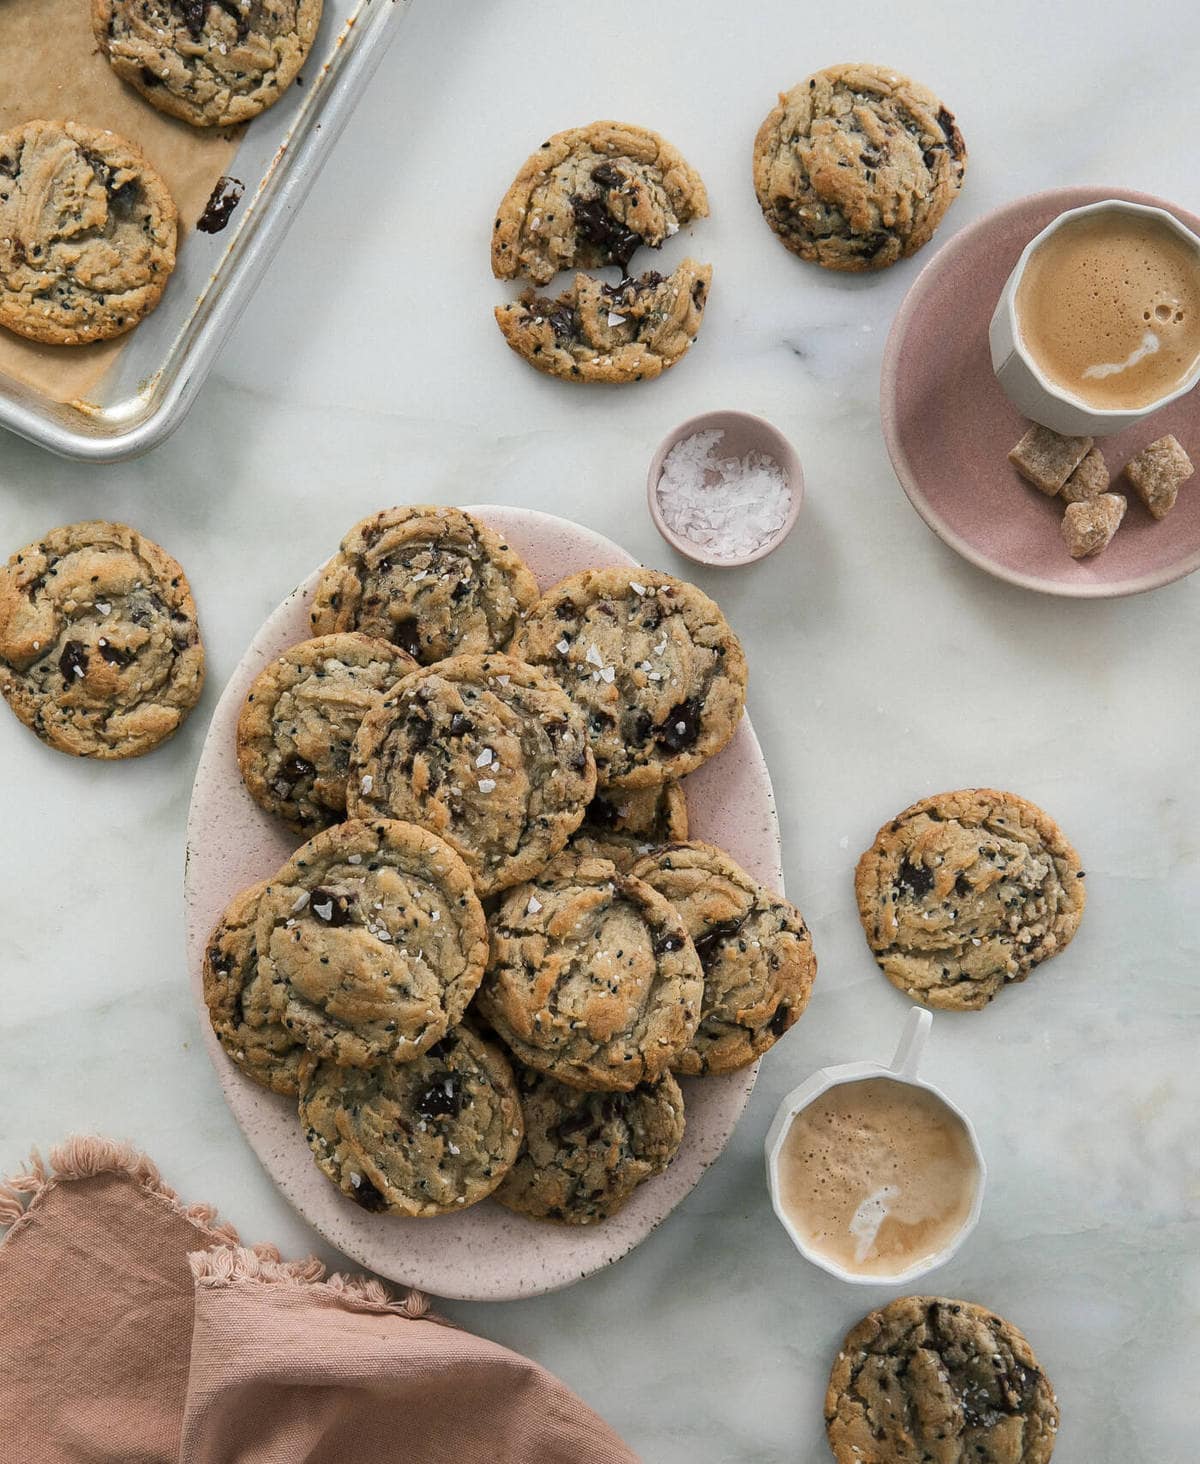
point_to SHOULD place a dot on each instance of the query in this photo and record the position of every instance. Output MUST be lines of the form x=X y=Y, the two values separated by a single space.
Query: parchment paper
x=51 y=67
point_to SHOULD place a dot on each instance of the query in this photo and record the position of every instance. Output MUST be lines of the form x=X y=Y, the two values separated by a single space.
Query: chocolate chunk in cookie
x=966 y=891
x=653 y=663
x=924 y=1378
x=591 y=196
x=433 y=581
x=238 y=1006
x=299 y=721
x=625 y=827
x=87 y=233
x=631 y=331
x=488 y=753
x=585 y=1154
x=592 y=978
x=754 y=947
x=210 y=62
x=100 y=652
x=427 y=1137
x=856 y=166
x=371 y=941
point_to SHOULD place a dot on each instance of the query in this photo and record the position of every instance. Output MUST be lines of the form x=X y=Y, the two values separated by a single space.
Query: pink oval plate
x=487 y=1252
x=949 y=427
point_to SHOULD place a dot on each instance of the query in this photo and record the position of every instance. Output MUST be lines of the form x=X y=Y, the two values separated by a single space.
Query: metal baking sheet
x=162 y=364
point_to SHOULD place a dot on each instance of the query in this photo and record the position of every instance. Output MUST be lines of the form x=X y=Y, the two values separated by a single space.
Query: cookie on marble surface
x=592 y=978
x=420 y=1138
x=625 y=827
x=585 y=1154
x=209 y=62
x=87 y=233
x=488 y=753
x=591 y=196
x=100 y=652
x=856 y=166
x=300 y=718
x=238 y=1006
x=633 y=330
x=371 y=941
x=754 y=948
x=925 y=1378
x=434 y=581
x=966 y=891
x=653 y=663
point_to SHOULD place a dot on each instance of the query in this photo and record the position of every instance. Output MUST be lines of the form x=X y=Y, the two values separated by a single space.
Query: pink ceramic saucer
x=486 y=1253
x=949 y=427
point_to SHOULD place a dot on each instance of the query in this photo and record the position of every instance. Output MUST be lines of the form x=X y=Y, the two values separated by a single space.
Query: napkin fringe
x=233 y=1265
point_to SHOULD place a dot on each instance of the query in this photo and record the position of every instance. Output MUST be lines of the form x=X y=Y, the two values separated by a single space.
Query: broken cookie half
x=629 y=331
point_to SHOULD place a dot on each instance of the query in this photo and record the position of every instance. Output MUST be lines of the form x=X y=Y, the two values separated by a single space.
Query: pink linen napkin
x=136 y=1330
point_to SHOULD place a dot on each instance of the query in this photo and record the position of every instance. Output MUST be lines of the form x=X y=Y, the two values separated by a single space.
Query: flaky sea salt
x=729 y=506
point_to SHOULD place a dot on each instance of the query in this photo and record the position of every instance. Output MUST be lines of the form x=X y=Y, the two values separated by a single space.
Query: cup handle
x=911 y=1047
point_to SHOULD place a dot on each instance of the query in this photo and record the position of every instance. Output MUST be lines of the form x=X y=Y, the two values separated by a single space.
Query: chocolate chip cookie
x=585 y=1153
x=753 y=946
x=100 y=652
x=485 y=751
x=238 y=1006
x=624 y=827
x=433 y=581
x=966 y=891
x=591 y=196
x=299 y=721
x=371 y=941
x=630 y=331
x=87 y=233
x=592 y=978
x=427 y=1137
x=925 y=1379
x=653 y=663
x=210 y=62
x=856 y=166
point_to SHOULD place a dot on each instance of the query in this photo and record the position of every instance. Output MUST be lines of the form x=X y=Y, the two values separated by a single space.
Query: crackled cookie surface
x=591 y=196
x=433 y=581
x=856 y=166
x=927 y=1379
x=300 y=718
x=100 y=652
x=592 y=977
x=488 y=753
x=418 y=1138
x=629 y=331
x=87 y=233
x=210 y=62
x=585 y=1154
x=238 y=1006
x=651 y=660
x=753 y=946
x=966 y=891
x=625 y=827
x=371 y=942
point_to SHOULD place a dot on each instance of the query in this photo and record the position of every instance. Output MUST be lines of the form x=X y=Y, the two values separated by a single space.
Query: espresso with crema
x=1109 y=309
x=877 y=1175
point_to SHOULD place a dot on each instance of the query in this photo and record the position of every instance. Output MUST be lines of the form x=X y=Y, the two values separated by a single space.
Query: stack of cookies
x=484 y=969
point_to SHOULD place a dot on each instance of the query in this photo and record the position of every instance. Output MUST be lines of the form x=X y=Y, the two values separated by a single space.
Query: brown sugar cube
x=1156 y=473
x=1088 y=526
x=1047 y=458
x=1089 y=479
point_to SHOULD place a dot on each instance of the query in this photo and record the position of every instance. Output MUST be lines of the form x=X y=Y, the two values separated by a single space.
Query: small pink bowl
x=743 y=433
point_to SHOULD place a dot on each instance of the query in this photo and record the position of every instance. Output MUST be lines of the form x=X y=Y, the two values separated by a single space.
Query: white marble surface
x=367 y=371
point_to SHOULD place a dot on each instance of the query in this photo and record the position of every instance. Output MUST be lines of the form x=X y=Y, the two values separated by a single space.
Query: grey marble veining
x=368 y=370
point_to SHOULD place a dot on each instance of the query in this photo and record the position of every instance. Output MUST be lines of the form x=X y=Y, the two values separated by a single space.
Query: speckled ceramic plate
x=486 y=1253
x=949 y=427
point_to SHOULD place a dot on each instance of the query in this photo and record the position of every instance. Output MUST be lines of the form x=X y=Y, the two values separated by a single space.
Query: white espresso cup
x=1033 y=395
x=903 y=1069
